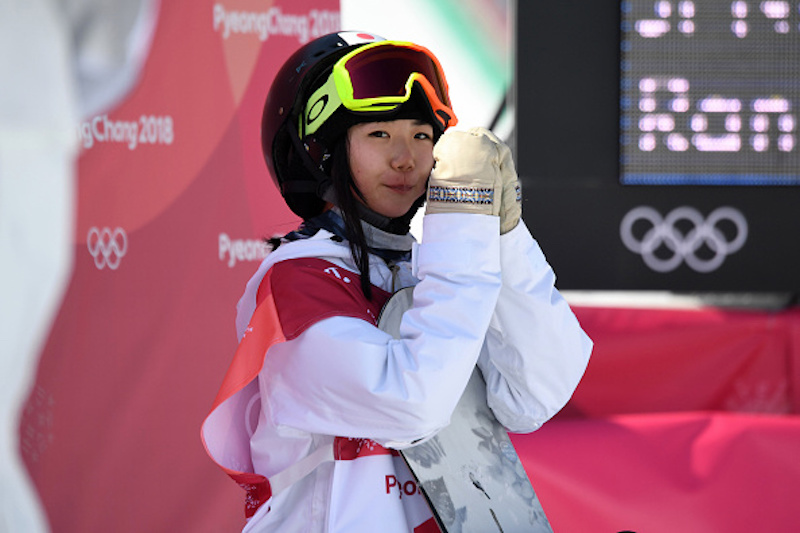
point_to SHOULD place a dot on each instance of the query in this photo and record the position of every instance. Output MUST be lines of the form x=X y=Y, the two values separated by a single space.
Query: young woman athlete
x=318 y=398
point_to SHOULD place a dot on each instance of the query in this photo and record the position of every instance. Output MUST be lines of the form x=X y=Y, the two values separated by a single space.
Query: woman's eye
x=422 y=135
x=378 y=133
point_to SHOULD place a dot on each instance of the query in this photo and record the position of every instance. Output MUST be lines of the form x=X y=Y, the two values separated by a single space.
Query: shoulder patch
x=307 y=290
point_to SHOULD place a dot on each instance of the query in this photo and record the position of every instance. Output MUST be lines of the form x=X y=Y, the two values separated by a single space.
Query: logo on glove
x=461 y=195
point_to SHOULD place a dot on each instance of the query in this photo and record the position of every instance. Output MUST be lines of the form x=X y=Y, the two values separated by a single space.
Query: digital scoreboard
x=710 y=92
x=658 y=142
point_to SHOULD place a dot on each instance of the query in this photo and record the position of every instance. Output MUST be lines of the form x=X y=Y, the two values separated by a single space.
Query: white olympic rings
x=684 y=247
x=107 y=246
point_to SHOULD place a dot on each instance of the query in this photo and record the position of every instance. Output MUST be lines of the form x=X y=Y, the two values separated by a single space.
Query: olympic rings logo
x=107 y=246
x=663 y=233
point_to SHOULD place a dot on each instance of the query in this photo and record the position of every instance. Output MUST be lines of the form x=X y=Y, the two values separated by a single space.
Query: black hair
x=346 y=191
x=349 y=201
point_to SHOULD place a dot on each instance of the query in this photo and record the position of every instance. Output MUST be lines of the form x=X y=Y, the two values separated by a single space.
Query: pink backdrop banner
x=693 y=472
x=174 y=201
x=651 y=360
x=686 y=420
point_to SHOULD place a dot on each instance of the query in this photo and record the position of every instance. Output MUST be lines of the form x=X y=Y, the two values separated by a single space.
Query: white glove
x=511 y=210
x=474 y=173
x=511 y=206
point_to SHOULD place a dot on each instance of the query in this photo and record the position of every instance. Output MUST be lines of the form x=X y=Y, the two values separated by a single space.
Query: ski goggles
x=379 y=77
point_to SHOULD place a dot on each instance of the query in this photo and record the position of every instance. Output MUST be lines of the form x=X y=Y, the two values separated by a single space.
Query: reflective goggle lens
x=384 y=70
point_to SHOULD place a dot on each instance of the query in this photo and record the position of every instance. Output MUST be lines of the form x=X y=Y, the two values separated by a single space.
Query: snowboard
x=469 y=472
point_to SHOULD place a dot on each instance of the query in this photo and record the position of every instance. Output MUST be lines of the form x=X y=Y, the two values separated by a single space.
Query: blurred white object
x=61 y=61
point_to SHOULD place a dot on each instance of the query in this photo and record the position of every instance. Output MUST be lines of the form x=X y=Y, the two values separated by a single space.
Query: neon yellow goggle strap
x=338 y=90
x=321 y=105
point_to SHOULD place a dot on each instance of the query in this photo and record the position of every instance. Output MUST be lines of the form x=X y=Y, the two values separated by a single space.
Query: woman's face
x=390 y=163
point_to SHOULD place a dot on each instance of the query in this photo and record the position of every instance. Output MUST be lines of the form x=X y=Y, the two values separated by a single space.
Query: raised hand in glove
x=474 y=173
x=511 y=205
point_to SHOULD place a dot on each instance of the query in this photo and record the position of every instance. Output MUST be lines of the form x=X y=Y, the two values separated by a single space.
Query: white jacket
x=480 y=298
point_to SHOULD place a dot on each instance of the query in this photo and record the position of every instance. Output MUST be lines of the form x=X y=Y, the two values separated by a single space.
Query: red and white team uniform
x=318 y=397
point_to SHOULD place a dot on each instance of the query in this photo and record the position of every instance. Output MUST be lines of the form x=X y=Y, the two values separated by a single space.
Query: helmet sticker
x=358 y=37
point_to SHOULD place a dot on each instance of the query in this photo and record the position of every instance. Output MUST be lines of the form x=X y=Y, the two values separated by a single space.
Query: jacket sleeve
x=535 y=352
x=344 y=376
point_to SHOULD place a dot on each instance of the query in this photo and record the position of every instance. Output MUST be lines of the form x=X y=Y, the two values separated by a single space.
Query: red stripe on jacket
x=294 y=295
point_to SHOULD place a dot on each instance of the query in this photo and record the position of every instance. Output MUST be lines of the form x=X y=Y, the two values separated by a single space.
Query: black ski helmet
x=297 y=165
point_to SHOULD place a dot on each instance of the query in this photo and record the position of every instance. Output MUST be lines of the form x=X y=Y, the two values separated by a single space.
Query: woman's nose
x=402 y=157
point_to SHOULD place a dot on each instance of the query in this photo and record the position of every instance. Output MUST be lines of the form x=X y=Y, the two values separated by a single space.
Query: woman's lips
x=401 y=188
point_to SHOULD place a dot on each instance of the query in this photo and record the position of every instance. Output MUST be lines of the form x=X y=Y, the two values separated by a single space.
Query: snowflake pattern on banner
x=763 y=396
x=36 y=429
